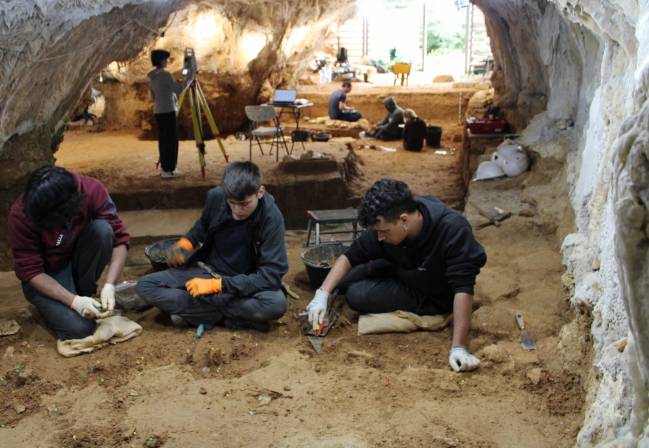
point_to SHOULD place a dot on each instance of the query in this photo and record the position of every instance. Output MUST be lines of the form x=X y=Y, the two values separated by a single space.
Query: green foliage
x=439 y=38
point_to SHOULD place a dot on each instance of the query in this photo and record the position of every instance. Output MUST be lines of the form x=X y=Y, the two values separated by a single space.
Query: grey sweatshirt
x=164 y=91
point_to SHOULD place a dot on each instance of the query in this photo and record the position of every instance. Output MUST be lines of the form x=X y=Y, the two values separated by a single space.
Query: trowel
x=527 y=342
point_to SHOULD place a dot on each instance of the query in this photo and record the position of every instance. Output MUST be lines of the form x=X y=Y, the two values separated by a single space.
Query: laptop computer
x=285 y=97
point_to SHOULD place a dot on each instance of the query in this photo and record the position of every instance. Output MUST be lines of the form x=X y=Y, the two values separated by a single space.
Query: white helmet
x=511 y=158
x=488 y=170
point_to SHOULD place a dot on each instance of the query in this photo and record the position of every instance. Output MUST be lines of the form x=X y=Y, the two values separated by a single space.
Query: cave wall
x=576 y=72
x=243 y=54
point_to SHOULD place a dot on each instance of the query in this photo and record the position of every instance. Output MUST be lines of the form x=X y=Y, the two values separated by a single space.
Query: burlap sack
x=401 y=322
x=111 y=330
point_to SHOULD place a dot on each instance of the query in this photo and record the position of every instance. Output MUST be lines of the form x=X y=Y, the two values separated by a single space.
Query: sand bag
x=111 y=330
x=401 y=322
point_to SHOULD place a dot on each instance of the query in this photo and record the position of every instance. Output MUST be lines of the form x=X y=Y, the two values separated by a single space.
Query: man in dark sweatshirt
x=63 y=231
x=165 y=91
x=240 y=235
x=414 y=132
x=388 y=128
x=416 y=255
x=338 y=107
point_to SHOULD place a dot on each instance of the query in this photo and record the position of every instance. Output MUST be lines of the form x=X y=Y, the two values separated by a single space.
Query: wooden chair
x=401 y=70
x=264 y=114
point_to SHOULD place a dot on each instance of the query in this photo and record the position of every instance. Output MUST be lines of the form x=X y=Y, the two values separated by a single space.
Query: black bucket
x=319 y=260
x=300 y=135
x=156 y=253
x=434 y=136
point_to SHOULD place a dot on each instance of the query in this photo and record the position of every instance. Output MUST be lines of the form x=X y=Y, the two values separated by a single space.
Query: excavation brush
x=199 y=109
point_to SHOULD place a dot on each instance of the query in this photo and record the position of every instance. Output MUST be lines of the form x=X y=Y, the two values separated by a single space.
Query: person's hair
x=157 y=56
x=51 y=197
x=240 y=180
x=409 y=113
x=347 y=83
x=388 y=198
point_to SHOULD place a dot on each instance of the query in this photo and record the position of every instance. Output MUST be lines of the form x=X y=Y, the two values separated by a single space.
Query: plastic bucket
x=156 y=253
x=319 y=260
x=434 y=136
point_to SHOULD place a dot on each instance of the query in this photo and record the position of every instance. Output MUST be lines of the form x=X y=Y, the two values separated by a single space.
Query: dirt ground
x=127 y=165
x=232 y=389
x=250 y=389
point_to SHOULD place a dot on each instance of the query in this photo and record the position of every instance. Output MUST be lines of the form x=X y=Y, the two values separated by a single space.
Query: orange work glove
x=178 y=253
x=203 y=286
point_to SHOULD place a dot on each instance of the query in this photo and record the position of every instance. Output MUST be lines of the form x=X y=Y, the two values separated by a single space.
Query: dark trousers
x=167 y=140
x=166 y=290
x=387 y=134
x=91 y=254
x=371 y=294
x=348 y=116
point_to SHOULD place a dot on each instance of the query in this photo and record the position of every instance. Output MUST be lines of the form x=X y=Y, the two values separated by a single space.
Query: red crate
x=487 y=126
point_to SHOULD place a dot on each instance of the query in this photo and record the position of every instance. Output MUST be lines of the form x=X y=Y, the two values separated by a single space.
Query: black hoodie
x=443 y=261
x=268 y=249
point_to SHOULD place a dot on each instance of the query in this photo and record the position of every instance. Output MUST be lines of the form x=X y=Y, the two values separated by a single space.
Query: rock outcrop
x=575 y=75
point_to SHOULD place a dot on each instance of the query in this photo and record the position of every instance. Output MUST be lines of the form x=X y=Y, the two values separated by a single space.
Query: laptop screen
x=285 y=96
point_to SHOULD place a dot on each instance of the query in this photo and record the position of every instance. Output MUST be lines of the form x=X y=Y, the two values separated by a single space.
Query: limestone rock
x=494 y=353
x=443 y=78
x=534 y=375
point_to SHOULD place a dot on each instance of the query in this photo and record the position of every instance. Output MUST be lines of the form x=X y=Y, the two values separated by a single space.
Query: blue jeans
x=92 y=252
x=166 y=290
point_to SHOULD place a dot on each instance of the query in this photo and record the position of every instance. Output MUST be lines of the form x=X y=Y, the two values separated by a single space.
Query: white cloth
x=111 y=330
x=401 y=322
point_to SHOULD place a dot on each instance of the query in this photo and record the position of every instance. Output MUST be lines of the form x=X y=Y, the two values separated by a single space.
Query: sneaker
x=170 y=174
x=240 y=324
x=178 y=322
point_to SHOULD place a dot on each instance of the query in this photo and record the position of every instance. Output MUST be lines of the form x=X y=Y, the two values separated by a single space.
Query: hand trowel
x=526 y=340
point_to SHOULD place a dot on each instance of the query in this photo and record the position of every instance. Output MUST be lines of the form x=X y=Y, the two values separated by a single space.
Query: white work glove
x=317 y=308
x=461 y=360
x=108 y=297
x=87 y=307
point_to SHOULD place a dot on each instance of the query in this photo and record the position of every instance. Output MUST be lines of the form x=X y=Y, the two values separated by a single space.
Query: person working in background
x=338 y=107
x=165 y=91
x=414 y=131
x=388 y=128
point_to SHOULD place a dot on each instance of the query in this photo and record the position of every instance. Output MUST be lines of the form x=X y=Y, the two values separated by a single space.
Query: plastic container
x=319 y=260
x=434 y=137
x=300 y=135
x=156 y=253
x=487 y=126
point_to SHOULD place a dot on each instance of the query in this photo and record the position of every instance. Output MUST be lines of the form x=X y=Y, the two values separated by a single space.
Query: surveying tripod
x=199 y=107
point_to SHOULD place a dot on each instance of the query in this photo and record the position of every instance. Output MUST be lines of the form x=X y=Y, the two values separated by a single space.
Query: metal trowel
x=527 y=342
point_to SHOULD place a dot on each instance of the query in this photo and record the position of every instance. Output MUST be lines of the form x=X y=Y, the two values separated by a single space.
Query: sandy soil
x=126 y=164
x=389 y=390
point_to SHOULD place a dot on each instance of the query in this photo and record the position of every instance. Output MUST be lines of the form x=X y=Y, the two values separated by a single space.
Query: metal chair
x=263 y=114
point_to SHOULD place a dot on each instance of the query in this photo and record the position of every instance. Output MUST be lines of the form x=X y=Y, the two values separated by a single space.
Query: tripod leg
x=211 y=121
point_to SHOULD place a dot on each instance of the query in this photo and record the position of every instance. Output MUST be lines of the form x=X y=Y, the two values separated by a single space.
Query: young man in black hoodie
x=240 y=235
x=416 y=255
